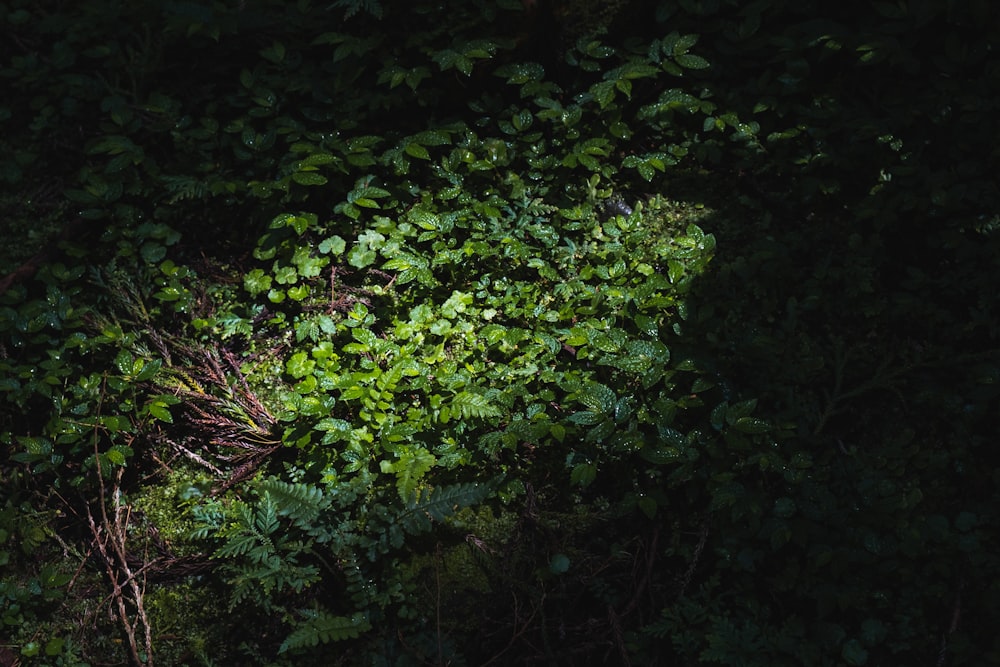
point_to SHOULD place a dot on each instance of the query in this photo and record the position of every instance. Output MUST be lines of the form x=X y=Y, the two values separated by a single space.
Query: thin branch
x=956 y=616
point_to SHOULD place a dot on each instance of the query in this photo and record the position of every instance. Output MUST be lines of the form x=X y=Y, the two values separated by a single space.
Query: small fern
x=412 y=464
x=439 y=504
x=249 y=535
x=320 y=627
x=469 y=405
x=184 y=187
x=301 y=503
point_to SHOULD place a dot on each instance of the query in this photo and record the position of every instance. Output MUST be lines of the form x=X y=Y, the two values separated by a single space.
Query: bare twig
x=616 y=628
x=956 y=616
x=113 y=532
x=517 y=633
x=689 y=573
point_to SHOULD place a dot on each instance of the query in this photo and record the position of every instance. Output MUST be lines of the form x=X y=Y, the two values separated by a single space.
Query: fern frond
x=321 y=627
x=472 y=405
x=439 y=504
x=184 y=187
x=300 y=502
x=412 y=464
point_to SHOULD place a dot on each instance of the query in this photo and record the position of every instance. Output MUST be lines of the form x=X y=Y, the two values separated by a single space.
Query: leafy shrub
x=466 y=382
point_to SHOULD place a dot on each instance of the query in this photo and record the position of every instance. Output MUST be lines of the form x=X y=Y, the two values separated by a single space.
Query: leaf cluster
x=673 y=341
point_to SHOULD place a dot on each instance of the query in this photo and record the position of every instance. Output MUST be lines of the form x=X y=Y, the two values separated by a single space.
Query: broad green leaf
x=688 y=61
x=256 y=281
x=359 y=257
x=333 y=245
x=583 y=474
x=417 y=151
x=299 y=365
x=123 y=362
x=309 y=178
x=598 y=398
x=752 y=425
x=159 y=411
x=684 y=44
x=148 y=370
x=559 y=564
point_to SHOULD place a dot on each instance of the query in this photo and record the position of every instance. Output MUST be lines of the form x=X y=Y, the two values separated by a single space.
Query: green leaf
x=702 y=384
x=54 y=646
x=688 y=61
x=412 y=464
x=440 y=504
x=160 y=411
x=854 y=653
x=417 y=151
x=752 y=425
x=360 y=257
x=684 y=44
x=123 y=362
x=739 y=410
x=148 y=370
x=333 y=245
x=559 y=564
x=309 y=178
x=299 y=365
x=256 y=281
x=598 y=398
x=583 y=474
x=471 y=405
x=647 y=506
x=286 y=275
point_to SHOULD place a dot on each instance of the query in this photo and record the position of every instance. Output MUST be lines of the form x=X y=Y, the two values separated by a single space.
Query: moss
x=166 y=507
x=186 y=620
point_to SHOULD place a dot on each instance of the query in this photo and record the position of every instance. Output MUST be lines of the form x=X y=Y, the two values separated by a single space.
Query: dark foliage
x=549 y=332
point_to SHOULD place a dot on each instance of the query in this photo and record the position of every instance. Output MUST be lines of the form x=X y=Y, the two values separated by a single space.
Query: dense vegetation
x=474 y=332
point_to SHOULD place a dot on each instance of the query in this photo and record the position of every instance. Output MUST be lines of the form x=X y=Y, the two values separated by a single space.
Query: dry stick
x=644 y=582
x=516 y=634
x=122 y=514
x=117 y=531
x=117 y=592
x=616 y=629
x=956 y=615
x=196 y=458
x=689 y=574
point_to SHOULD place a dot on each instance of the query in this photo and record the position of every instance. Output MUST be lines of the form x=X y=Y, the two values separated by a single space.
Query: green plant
x=629 y=356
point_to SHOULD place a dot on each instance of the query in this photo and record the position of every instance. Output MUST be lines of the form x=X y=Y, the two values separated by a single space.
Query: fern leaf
x=267 y=516
x=299 y=502
x=321 y=627
x=236 y=545
x=441 y=503
x=471 y=405
x=410 y=467
x=446 y=500
x=390 y=378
